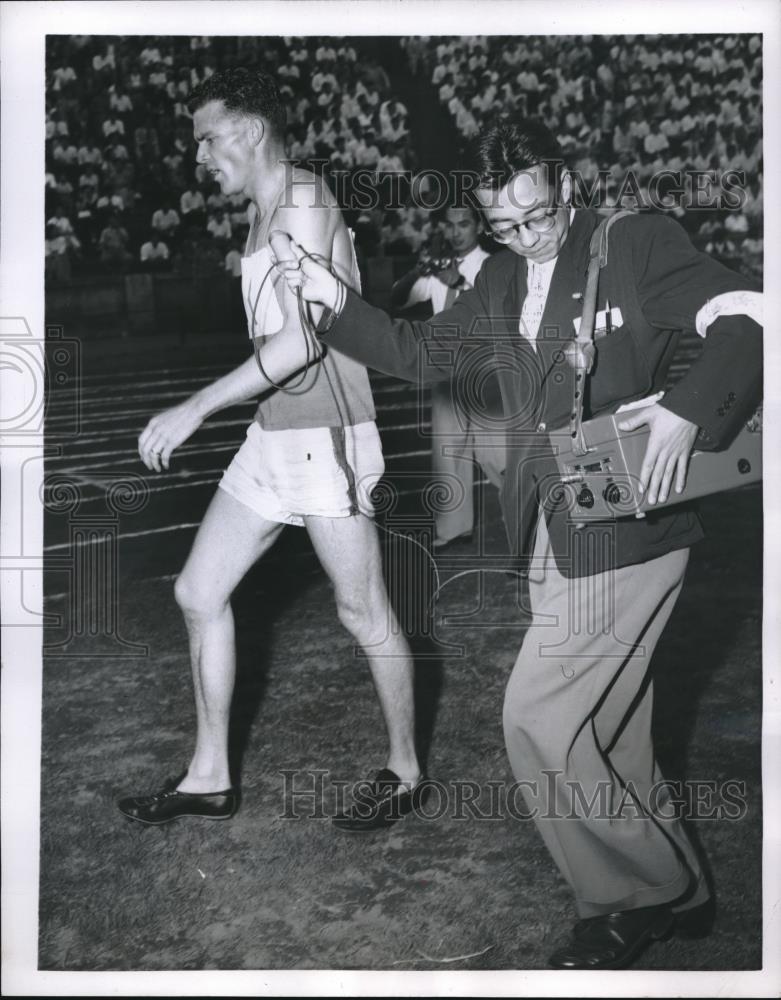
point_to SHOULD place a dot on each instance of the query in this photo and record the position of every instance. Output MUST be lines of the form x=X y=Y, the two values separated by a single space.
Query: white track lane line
x=150 y=399
x=166 y=528
x=179 y=480
x=111 y=416
x=214 y=370
x=131 y=454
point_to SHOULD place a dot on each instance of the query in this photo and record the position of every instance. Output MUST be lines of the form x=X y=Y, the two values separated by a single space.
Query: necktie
x=452 y=293
x=534 y=303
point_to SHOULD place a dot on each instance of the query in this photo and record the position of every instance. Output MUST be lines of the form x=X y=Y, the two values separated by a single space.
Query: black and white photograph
x=390 y=550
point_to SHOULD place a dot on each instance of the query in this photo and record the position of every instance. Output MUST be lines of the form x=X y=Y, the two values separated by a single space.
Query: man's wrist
x=333 y=309
x=337 y=296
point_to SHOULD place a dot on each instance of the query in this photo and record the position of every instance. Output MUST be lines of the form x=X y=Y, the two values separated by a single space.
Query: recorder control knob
x=612 y=494
x=586 y=498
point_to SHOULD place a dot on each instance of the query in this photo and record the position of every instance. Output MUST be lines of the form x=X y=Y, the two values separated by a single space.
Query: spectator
x=109 y=205
x=154 y=254
x=447 y=88
x=233 y=260
x=158 y=79
x=59 y=249
x=62 y=77
x=296 y=143
x=327 y=94
x=219 y=226
x=215 y=201
x=174 y=165
x=736 y=224
x=113 y=126
x=150 y=55
x=61 y=222
x=346 y=54
x=192 y=205
x=90 y=180
x=105 y=63
x=165 y=221
x=390 y=161
x=146 y=144
x=89 y=155
x=341 y=158
x=113 y=244
x=325 y=54
x=368 y=152
x=120 y=103
x=115 y=152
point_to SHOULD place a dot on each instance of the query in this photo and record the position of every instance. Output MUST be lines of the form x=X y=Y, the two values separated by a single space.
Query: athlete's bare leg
x=230 y=540
x=349 y=551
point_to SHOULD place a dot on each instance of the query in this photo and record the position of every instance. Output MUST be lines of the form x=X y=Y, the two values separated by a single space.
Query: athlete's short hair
x=243 y=92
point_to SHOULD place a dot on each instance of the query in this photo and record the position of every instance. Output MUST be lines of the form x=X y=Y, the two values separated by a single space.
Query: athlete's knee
x=363 y=614
x=198 y=598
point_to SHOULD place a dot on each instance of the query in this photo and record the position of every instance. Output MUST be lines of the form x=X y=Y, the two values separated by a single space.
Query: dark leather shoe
x=614 y=940
x=697 y=922
x=378 y=802
x=169 y=804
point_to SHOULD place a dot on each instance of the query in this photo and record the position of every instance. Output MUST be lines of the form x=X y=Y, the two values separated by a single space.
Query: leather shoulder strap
x=584 y=353
x=598 y=249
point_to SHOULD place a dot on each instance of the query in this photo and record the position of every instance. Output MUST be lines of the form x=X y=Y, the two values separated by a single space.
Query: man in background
x=459 y=436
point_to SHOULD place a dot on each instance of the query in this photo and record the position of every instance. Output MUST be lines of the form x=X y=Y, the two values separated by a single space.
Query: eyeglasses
x=540 y=224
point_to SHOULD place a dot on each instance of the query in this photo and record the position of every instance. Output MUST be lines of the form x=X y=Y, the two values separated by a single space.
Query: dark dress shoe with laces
x=169 y=804
x=614 y=940
x=380 y=801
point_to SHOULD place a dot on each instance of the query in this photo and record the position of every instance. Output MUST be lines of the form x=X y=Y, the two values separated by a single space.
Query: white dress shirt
x=429 y=287
x=538 y=279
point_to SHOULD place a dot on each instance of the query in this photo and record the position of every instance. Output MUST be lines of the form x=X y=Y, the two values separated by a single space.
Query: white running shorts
x=285 y=475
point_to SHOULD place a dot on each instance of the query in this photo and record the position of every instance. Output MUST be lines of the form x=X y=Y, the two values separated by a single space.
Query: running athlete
x=311 y=458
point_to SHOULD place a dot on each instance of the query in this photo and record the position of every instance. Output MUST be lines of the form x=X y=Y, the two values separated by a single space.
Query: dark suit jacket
x=659 y=281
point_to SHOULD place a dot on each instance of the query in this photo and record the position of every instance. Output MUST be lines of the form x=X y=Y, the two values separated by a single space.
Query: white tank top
x=335 y=391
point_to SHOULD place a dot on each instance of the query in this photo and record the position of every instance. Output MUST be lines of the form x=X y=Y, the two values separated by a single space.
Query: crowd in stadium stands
x=123 y=191
x=621 y=104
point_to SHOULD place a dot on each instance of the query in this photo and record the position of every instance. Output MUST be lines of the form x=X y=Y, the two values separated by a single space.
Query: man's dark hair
x=244 y=92
x=514 y=144
x=467 y=202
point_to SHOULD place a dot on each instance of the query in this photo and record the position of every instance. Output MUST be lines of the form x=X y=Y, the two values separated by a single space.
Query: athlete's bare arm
x=311 y=215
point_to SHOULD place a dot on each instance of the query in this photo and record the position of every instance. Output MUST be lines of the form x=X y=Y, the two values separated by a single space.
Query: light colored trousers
x=577 y=723
x=456 y=444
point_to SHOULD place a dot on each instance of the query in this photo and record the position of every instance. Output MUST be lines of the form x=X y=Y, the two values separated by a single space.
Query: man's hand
x=450 y=276
x=167 y=431
x=670 y=442
x=316 y=282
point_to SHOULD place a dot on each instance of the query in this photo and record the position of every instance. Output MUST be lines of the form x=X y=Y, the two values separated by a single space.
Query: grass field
x=265 y=891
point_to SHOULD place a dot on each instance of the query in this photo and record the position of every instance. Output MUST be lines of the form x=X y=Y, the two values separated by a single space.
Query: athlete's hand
x=670 y=442
x=167 y=431
x=316 y=282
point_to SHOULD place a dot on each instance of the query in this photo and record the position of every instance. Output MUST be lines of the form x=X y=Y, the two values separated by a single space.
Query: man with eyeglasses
x=577 y=714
